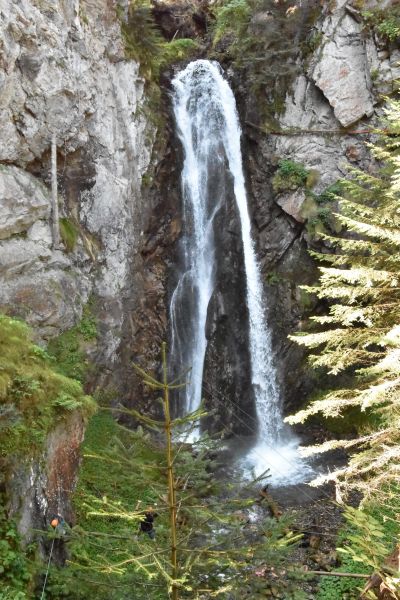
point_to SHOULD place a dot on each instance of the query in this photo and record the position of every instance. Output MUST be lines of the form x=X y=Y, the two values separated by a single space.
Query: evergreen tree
x=360 y=336
x=205 y=545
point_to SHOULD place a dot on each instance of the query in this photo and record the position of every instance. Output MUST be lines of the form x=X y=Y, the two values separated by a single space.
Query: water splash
x=209 y=130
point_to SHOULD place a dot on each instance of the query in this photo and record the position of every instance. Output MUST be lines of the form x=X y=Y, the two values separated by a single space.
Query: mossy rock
x=69 y=233
x=290 y=175
x=34 y=395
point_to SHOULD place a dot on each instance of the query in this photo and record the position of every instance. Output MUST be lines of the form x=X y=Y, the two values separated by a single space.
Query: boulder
x=23 y=201
x=292 y=203
x=341 y=71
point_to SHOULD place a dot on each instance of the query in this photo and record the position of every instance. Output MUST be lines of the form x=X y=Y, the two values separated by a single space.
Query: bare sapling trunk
x=171 y=479
x=54 y=195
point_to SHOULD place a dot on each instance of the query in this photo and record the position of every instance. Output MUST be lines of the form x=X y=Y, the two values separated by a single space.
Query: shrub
x=15 y=566
x=289 y=176
x=231 y=19
x=386 y=22
x=145 y=44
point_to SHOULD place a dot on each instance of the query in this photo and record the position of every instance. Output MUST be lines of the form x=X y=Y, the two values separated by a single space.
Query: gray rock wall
x=336 y=93
x=63 y=72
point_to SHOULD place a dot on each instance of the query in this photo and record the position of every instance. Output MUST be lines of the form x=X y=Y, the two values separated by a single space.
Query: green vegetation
x=124 y=471
x=15 y=566
x=274 y=278
x=313 y=42
x=359 y=337
x=69 y=233
x=69 y=349
x=145 y=44
x=34 y=399
x=358 y=343
x=33 y=395
x=232 y=20
x=385 y=21
x=289 y=176
x=118 y=470
x=365 y=542
x=258 y=36
x=320 y=211
x=317 y=209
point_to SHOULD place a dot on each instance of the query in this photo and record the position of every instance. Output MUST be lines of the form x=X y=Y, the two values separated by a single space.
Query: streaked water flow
x=209 y=130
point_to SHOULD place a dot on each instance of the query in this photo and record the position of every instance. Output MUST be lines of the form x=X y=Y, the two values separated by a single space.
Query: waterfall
x=209 y=130
x=198 y=114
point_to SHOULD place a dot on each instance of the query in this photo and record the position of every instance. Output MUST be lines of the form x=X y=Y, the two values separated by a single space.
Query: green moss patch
x=34 y=396
x=69 y=349
x=69 y=233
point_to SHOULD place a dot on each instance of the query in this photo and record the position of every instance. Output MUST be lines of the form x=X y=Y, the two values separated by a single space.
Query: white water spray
x=209 y=130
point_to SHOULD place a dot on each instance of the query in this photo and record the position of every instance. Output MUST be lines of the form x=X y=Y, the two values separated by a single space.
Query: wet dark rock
x=227 y=370
x=181 y=19
x=37 y=488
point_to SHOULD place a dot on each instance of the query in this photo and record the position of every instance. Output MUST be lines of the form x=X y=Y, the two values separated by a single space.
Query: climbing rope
x=59 y=526
x=293 y=131
x=47 y=570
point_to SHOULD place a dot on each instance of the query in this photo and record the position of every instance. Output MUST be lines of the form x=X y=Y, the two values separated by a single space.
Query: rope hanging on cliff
x=59 y=526
x=298 y=131
x=47 y=570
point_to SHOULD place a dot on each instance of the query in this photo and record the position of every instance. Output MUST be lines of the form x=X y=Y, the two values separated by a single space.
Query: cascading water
x=208 y=127
x=198 y=115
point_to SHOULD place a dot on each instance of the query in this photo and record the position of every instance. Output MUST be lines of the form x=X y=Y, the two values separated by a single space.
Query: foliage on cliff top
x=231 y=19
x=33 y=396
x=145 y=44
x=263 y=38
x=386 y=22
x=360 y=336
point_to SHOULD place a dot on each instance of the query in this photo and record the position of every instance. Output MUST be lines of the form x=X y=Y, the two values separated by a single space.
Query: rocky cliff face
x=38 y=489
x=338 y=69
x=63 y=73
x=335 y=93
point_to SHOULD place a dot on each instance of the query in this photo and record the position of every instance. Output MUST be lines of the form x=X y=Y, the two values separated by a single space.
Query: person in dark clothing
x=147 y=523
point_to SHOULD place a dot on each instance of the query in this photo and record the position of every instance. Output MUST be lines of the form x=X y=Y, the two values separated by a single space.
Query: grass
x=69 y=349
x=34 y=395
x=120 y=468
x=386 y=514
